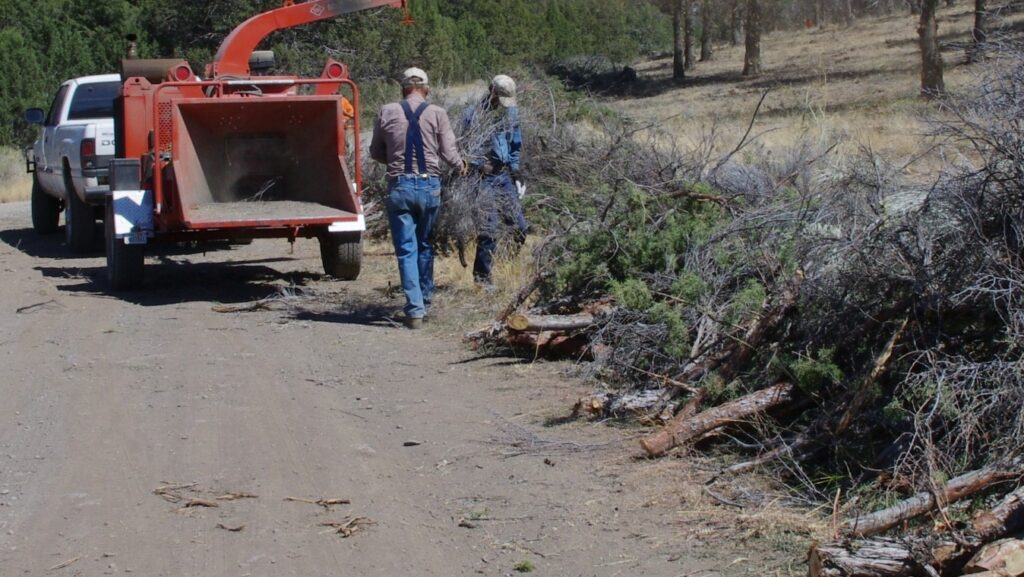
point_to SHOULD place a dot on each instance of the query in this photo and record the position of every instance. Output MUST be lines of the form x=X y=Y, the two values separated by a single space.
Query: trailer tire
x=342 y=254
x=45 y=210
x=79 y=220
x=124 y=261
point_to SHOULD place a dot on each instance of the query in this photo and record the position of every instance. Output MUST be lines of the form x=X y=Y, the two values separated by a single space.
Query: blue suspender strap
x=414 y=139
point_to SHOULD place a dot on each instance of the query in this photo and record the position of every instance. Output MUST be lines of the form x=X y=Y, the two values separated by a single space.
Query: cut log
x=688 y=428
x=873 y=558
x=552 y=344
x=523 y=322
x=1005 y=558
x=921 y=503
x=1007 y=517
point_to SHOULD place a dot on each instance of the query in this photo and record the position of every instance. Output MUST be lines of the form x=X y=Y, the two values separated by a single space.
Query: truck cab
x=71 y=156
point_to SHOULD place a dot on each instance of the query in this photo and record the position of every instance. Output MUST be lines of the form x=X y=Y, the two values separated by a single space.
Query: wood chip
x=234 y=529
x=348 y=527
x=236 y=496
x=412 y=443
x=200 y=503
x=325 y=503
x=64 y=564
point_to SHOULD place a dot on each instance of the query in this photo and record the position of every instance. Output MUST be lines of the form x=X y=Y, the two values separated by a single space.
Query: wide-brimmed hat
x=505 y=89
x=415 y=77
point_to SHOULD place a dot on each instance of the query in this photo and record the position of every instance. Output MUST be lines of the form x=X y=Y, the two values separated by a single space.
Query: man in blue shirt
x=501 y=185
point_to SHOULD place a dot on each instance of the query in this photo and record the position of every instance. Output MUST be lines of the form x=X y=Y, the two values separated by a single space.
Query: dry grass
x=15 y=183
x=861 y=83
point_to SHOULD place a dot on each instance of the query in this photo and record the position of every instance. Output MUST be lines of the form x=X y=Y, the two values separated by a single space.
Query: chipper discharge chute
x=239 y=155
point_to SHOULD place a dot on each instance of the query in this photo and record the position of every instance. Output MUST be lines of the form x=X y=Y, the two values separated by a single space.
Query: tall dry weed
x=15 y=183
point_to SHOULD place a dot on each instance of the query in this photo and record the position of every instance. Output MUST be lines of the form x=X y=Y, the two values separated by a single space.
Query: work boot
x=413 y=323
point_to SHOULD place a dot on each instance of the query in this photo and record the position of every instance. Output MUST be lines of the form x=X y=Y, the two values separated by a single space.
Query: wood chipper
x=237 y=155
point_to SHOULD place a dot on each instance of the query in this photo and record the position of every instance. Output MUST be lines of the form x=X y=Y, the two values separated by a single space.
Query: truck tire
x=342 y=254
x=79 y=221
x=45 y=210
x=124 y=261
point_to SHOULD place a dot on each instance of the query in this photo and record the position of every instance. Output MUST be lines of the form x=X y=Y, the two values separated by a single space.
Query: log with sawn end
x=1005 y=518
x=871 y=558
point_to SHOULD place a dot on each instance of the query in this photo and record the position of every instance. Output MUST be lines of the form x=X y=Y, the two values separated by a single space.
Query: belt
x=424 y=176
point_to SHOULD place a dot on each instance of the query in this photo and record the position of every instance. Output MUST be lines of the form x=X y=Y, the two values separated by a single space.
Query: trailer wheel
x=45 y=210
x=79 y=221
x=342 y=254
x=124 y=261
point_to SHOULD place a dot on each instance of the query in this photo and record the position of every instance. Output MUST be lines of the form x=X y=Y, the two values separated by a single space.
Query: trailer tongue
x=238 y=156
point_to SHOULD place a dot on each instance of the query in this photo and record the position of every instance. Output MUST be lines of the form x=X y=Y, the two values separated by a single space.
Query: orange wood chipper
x=238 y=155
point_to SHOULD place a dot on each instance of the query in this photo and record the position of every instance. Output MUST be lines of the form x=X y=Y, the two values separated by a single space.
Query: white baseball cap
x=415 y=77
x=504 y=88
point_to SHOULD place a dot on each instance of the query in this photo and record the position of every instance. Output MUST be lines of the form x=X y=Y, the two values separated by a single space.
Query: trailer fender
x=133 y=215
x=358 y=225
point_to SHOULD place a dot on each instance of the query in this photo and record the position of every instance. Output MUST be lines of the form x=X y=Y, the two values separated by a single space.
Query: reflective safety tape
x=133 y=215
x=358 y=225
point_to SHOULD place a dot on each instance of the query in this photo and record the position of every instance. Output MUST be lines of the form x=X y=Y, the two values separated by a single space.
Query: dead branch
x=863 y=392
x=924 y=502
x=680 y=431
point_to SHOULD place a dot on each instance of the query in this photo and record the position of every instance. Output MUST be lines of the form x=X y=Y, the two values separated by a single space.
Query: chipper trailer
x=237 y=155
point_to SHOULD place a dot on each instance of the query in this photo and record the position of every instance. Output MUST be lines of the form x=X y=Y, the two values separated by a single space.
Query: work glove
x=520 y=189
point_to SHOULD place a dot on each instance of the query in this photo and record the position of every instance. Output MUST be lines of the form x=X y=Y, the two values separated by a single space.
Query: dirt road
x=104 y=400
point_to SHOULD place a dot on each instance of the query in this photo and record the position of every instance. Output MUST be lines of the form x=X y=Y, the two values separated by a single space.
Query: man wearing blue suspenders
x=412 y=137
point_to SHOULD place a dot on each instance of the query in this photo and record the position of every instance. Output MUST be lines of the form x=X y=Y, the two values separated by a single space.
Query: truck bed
x=278 y=210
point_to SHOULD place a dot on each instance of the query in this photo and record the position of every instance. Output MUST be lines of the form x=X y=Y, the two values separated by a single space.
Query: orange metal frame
x=232 y=59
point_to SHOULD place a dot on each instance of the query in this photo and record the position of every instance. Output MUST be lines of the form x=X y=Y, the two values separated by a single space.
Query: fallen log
x=1003 y=558
x=924 y=502
x=1005 y=518
x=523 y=322
x=684 y=427
x=871 y=558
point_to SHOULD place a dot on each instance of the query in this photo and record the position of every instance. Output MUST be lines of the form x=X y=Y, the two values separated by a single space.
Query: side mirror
x=35 y=116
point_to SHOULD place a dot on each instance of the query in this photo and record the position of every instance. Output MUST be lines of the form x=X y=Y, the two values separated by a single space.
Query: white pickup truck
x=70 y=159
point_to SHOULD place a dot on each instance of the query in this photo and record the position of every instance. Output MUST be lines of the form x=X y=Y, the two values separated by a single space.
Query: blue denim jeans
x=500 y=205
x=412 y=206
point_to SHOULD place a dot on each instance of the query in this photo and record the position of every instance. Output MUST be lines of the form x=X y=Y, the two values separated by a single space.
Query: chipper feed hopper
x=237 y=155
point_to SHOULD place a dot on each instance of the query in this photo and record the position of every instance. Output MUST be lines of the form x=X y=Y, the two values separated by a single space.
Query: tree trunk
x=874 y=558
x=736 y=23
x=979 y=34
x=932 y=84
x=847 y=8
x=678 y=65
x=1007 y=517
x=688 y=428
x=689 y=61
x=752 y=56
x=958 y=488
x=706 y=25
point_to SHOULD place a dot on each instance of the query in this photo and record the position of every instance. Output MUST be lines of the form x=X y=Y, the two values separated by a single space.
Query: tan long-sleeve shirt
x=389 y=130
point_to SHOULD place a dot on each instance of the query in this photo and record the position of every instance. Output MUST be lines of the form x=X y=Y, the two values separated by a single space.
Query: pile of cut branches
x=816 y=314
